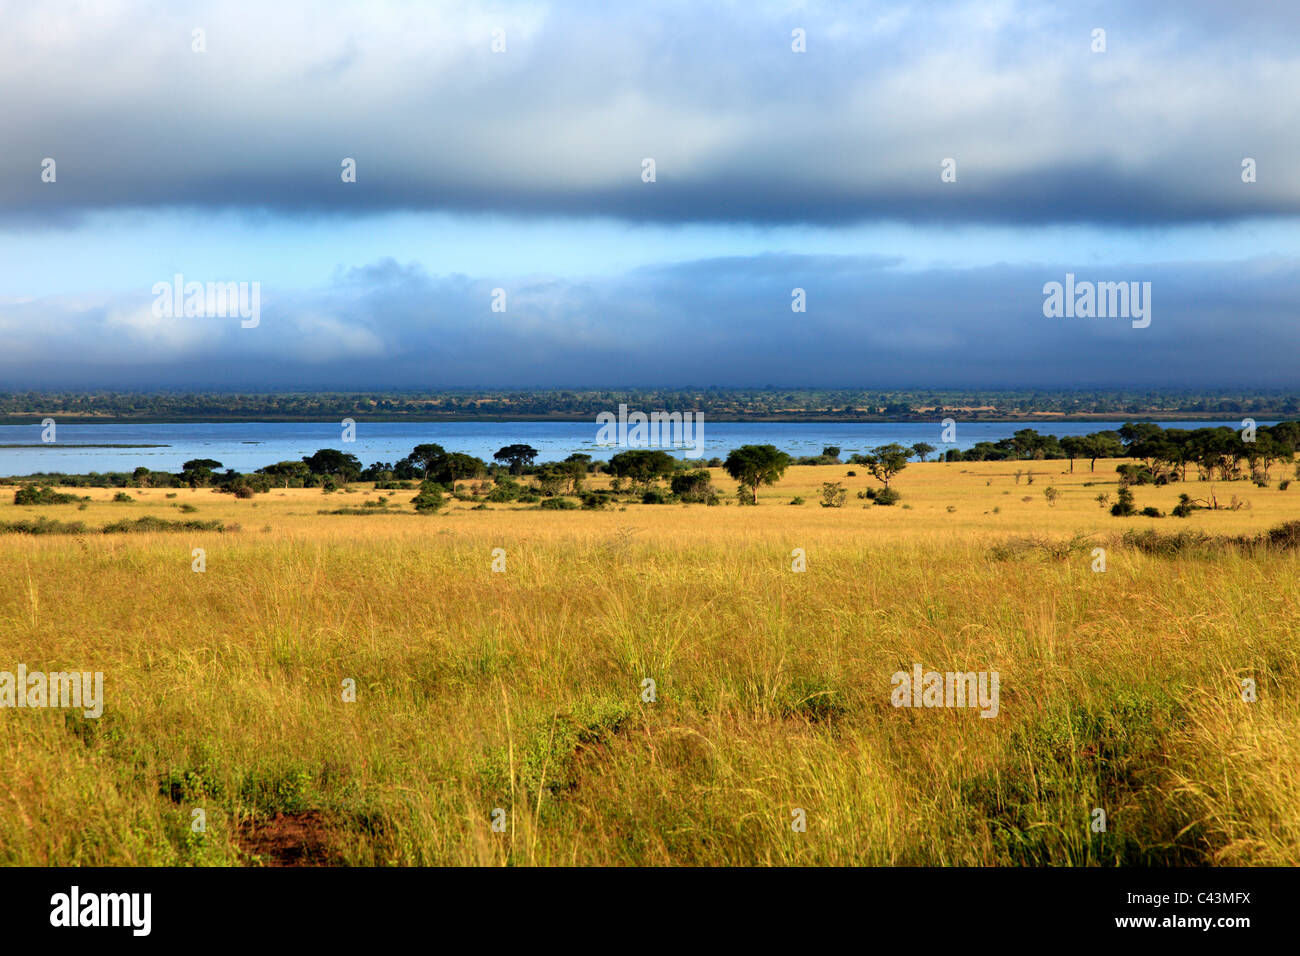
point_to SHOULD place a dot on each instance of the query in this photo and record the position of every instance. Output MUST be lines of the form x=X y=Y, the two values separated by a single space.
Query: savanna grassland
x=522 y=690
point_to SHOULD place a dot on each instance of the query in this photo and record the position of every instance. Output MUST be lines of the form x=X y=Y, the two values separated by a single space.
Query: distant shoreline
x=64 y=419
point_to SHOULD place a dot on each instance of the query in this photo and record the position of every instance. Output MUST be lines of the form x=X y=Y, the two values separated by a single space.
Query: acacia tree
x=199 y=471
x=426 y=456
x=921 y=449
x=642 y=465
x=331 y=461
x=1105 y=444
x=575 y=469
x=456 y=466
x=754 y=465
x=884 y=461
x=287 y=471
x=516 y=456
x=1074 y=447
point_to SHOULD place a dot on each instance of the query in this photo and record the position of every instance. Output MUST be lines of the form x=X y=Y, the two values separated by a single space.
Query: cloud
x=719 y=321
x=742 y=129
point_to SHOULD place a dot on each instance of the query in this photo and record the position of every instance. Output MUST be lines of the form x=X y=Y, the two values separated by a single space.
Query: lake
x=247 y=446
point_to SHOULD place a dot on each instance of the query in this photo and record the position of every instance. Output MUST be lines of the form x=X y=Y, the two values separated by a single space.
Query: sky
x=919 y=170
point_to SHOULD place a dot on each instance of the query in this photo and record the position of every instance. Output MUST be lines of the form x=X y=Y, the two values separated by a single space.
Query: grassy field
x=522 y=690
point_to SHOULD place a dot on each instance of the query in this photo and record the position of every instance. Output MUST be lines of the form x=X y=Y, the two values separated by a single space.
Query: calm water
x=250 y=445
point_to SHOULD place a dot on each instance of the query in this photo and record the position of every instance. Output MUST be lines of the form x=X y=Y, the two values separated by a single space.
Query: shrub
x=1284 y=484
x=149 y=523
x=694 y=486
x=32 y=495
x=1123 y=508
x=1051 y=494
x=833 y=494
x=1285 y=536
x=657 y=496
x=506 y=489
x=796 y=500
x=558 y=504
x=1133 y=474
x=887 y=496
x=243 y=491
x=1024 y=546
x=1150 y=512
x=429 y=499
x=42 y=525
x=123 y=497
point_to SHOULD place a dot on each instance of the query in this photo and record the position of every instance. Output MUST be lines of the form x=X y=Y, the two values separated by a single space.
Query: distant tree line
x=1165 y=454
x=1158 y=455
x=722 y=404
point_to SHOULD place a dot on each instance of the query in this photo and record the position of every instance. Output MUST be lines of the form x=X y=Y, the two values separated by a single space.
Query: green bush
x=558 y=504
x=430 y=497
x=885 y=496
x=833 y=494
x=1123 y=508
x=506 y=489
x=31 y=495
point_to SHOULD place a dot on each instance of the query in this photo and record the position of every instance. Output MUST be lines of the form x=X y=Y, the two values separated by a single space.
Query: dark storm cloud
x=728 y=321
x=743 y=130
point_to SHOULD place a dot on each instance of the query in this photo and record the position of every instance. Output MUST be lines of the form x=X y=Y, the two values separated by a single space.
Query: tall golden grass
x=523 y=690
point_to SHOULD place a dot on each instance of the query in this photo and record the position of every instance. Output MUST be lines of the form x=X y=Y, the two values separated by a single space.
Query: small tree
x=425 y=457
x=1074 y=447
x=1101 y=445
x=642 y=465
x=575 y=467
x=198 y=471
x=884 y=461
x=694 y=486
x=1124 y=506
x=287 y=471
x=833 y=494
x=456 y=466
x=429 y=499
x=921 y=449
x=516 y=456
x=1051 y=494
x=551 y=481
x=755 y=465
x=332 y=462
